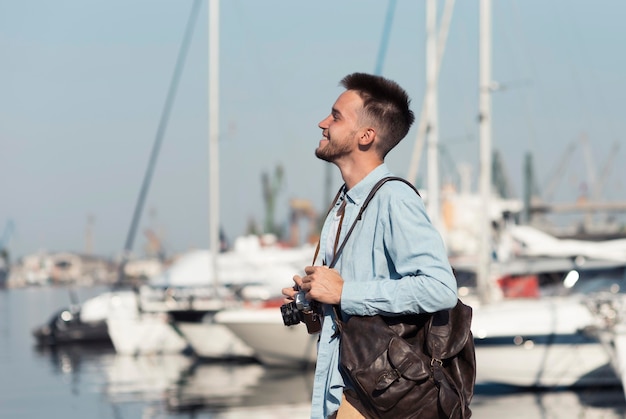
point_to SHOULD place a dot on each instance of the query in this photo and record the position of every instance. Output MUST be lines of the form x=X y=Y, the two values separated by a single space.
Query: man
x=395 y=261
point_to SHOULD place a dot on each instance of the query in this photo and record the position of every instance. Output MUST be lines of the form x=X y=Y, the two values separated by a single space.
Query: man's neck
x=354 y=173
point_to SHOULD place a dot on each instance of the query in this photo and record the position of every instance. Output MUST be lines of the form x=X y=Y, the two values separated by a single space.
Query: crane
x=598 y=186
x=548 y=192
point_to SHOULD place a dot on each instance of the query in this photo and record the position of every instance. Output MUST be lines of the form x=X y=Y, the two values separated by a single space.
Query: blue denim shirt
x=395 y=262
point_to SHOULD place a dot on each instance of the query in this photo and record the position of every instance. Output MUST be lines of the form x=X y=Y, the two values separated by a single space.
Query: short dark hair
x=385 y=104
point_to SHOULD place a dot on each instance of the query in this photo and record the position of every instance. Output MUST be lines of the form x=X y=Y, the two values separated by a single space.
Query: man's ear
x=367 y=137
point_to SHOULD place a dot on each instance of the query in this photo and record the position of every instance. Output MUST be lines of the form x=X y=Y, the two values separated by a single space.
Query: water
x=95 y=382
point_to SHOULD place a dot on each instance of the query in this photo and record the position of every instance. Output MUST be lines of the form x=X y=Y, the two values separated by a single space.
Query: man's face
x=340 y=128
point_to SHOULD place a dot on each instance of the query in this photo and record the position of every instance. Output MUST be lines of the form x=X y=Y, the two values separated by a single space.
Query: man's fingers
x=298 y=280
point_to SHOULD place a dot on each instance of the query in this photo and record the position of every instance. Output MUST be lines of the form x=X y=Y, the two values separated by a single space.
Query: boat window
x=596 y=280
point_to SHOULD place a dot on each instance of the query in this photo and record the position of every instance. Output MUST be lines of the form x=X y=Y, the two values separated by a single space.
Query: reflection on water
x=93 y=381
x=176 y=385
x=247 y=387
x=142 y=378
x=590 y=403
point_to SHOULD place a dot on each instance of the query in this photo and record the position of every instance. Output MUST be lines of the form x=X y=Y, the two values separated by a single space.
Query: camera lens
x=290 y=314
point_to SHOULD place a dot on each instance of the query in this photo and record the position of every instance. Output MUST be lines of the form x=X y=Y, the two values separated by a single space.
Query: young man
x=395 y=261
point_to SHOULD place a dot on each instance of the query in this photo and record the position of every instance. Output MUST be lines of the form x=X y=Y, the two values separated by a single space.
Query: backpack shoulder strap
x=376 y=188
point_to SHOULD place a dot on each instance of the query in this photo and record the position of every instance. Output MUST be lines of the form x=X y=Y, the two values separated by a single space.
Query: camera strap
x=375 y=188
x=330 y=208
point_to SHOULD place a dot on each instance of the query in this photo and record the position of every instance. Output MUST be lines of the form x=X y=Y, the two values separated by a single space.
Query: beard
x=335 y=149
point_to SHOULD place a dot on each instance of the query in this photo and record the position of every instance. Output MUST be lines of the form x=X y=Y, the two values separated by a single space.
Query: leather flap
x=449 y=331
x=407 y=361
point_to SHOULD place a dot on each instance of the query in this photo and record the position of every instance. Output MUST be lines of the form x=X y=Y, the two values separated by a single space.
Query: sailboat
x=141 y=321
x=249 y=276
x=256 y=265
x=87 y=321
x=175 y=317
x=542 y=341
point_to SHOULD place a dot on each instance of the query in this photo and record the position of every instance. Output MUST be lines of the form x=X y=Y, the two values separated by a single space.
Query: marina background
x=87 y=381
x=83 y=88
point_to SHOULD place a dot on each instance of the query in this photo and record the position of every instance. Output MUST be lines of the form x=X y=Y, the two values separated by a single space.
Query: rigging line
x=384 y=41
x=451 y=164
x=511 y=33
x=528 y=59
x=598 y=188
x=169 y=101
x=583 y=103
x=584 y=53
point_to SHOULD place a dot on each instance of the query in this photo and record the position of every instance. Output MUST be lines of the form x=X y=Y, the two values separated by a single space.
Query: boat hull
x=539 y=343
x=544 y=365
x=137 y=332
x=213 y=341
x=65 y=328
x=273 y=343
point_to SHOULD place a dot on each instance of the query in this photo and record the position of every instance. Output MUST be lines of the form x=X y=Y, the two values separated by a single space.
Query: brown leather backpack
x=413 y=366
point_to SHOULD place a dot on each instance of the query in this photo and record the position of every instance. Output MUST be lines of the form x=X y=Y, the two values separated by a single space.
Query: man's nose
x=324 y=123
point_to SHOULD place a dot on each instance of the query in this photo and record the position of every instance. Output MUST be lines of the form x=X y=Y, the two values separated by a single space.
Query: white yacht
x=274 y=344
x=546 y=341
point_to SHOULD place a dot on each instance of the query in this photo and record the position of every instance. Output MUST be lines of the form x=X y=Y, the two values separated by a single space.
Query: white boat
x=526 y=342
x=258 y=271
x=545 y=341
x=175 y=311
x=136 y=331
x=210 y=340
x=249 y=262
x=274 y=344
x=172 y=321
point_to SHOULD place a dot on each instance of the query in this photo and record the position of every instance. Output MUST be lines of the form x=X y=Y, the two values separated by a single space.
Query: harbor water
x=89 y=381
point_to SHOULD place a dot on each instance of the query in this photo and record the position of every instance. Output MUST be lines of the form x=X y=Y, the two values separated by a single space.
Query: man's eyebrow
x=335 y=111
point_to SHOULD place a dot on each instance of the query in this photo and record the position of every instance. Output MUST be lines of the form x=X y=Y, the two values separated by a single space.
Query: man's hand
x=290 y=293
x=320 y=284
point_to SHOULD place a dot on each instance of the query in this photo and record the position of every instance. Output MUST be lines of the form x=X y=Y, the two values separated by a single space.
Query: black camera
x=301 y=310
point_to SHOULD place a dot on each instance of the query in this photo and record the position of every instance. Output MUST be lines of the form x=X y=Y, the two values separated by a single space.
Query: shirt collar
x=359 y=192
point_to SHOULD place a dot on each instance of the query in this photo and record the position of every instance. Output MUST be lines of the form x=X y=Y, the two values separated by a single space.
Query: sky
x=83 y=86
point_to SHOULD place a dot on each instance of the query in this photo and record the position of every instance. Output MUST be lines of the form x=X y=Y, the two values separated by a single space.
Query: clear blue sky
x=83 y=83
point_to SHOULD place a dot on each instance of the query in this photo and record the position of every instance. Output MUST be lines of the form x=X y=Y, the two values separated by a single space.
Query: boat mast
x=423 y=123
x=484 y=256
x=433 y=112
x=214 y=234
